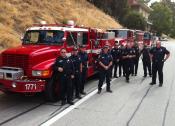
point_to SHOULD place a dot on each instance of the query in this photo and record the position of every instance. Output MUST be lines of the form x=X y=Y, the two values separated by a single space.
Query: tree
x=134 y=20
x=161 y=17
x=104 y=5
x=145 y=1
x=119 y=9
x=171 y=5
x=172 y=31
x=116 y=8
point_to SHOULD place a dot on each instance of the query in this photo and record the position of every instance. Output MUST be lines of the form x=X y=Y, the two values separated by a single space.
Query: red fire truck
x=139 y=35
x=28 y=68
x=147 y=39
x=123 y=36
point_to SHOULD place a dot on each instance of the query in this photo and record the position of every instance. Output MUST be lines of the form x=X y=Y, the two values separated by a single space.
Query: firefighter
x=128 y=58
x=136 y=59
x=64 y=66
x=77 y=70
x=116 y=55
x=84 y=58
x=157 y=55
x=146 y=60
x=105 y=63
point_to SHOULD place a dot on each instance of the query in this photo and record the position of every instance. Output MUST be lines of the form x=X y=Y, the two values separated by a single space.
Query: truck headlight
x=40 y=73
x=14 y=85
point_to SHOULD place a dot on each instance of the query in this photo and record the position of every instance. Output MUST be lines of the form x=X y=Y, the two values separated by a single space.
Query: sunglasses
x=63 y=52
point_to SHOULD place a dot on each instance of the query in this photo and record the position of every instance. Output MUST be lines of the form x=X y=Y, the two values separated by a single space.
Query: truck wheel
x=8 y=92
x=52 y=91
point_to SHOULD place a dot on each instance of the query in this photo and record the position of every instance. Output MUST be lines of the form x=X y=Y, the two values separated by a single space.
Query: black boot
x=70 y=102
x=99 y=91
x=63 y=102
x=152 y=83
x=109 y=90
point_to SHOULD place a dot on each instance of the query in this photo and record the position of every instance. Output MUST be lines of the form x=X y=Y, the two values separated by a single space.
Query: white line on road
x=69 y=109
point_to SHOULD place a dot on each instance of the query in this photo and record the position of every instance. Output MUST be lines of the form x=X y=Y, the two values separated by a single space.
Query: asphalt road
x=133 y=104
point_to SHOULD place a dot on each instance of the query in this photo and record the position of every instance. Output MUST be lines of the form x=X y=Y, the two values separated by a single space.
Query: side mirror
x=63 y=39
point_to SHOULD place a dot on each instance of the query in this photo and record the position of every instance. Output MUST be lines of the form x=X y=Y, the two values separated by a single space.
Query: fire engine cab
x=123 y=36
x=28 y=68
x=139 y=35
x=147 y=39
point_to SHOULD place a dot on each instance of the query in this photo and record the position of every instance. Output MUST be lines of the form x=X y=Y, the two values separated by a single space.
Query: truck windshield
x=147 y=36
x=120 y=33
x=43 y=37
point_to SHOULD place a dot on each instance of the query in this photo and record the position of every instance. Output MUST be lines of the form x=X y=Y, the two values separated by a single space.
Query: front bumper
x=22 y=86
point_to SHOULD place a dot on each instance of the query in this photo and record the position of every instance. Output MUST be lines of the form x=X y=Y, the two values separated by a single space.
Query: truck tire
x=8 y=92
x=52 y=91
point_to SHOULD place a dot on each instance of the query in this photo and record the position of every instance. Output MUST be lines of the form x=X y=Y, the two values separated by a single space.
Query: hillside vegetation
x=17 y=15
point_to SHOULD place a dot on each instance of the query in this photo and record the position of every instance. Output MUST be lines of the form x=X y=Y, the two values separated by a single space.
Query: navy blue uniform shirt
x=76 y=62
x=105 y=58
x=136 y=48
x=145 y=54
x=65 y=63
x=128 y=51
x=116 y=53
x=158 y=54
x=84 y=58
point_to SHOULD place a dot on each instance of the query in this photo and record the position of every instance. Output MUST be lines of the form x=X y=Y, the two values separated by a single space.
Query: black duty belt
x=66 y=75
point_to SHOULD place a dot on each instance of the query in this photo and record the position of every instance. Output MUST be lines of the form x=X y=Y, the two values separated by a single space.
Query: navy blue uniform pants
x=66 y=88
x=104 y=74
x=83 y=79
x=128 y=66
x=157 y=67
x=147 y=66
x=76 y=84
x=121 y=67
x=115 y=66
x=136 y=62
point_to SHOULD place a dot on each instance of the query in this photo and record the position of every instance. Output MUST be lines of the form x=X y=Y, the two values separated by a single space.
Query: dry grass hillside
x=17 y=15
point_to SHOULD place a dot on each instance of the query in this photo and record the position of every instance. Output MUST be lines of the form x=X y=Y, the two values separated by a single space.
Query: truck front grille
x=16 y=60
